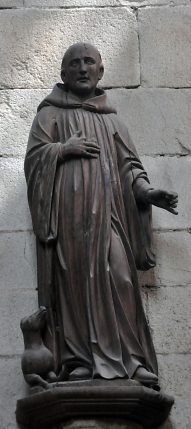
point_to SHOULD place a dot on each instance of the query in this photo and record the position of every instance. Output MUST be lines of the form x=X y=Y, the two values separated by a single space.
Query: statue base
x=112 y=400
x=99 y=424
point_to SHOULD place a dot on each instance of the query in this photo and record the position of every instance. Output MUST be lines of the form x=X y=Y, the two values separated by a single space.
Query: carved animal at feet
x=37 y=360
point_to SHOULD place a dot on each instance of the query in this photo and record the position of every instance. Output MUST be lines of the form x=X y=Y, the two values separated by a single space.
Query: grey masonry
x=151 y=88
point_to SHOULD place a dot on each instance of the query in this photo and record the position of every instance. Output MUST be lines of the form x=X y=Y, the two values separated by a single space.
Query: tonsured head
x=81 y=69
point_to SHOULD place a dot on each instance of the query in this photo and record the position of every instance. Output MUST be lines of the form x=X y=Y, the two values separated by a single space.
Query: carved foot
x=80 y=373
x=51 y=377
x=146 y=378
x=36 y=380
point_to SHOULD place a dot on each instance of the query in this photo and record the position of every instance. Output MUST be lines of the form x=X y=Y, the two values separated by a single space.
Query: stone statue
x=90 y=201
x=37 y=360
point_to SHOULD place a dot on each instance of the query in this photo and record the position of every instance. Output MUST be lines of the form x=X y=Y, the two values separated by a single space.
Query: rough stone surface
x=38 y=64
x=175 y=378
x=97 y=3
x=173 y=256
x=142 y=3
x=172 y=174
x=19 y=248
x=71 y=3
x=99 y=424
x=11 y=3
x=13 y=196
x=158 y=120
x=169 y=317
x=165 y=47
x=12 y=387
x=18 y=304
x=32 y=44
x=17 y=111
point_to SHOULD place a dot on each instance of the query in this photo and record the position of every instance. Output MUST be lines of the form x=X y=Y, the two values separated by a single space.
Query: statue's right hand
x=77 y=145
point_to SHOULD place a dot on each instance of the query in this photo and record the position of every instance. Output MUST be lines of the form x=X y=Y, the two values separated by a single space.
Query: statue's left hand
x=165 y=200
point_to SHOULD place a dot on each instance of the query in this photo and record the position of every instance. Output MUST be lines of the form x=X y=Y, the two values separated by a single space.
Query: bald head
x=81 y=69
x=74 y=49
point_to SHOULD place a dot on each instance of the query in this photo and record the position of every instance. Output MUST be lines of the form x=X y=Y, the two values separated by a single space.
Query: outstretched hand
x=166 y=200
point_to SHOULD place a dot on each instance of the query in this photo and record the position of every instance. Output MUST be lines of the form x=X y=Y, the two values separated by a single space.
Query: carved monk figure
x=90 y=201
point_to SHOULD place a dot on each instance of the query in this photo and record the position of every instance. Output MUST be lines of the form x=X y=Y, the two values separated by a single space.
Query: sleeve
x=133 y=179
x=43 y=174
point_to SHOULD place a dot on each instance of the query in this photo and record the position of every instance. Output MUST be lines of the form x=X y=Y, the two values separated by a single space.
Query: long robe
x=91 y=236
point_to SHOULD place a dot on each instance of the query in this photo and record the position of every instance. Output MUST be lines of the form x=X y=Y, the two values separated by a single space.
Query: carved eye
x=74 y=63
x=90 y=61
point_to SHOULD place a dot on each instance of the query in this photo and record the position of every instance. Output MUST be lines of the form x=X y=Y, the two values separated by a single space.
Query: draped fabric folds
x=91 y=235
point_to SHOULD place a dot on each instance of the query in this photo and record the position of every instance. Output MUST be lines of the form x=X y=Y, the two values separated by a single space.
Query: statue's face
x=82 y=69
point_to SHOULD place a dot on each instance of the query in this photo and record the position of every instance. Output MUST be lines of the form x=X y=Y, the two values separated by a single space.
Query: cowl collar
x=60 y=97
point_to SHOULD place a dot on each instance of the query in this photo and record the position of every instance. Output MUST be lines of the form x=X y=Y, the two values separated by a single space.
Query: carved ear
x=62 y=74
x=23 y=323
x=101 y=71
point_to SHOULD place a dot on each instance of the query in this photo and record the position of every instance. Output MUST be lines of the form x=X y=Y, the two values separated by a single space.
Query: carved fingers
x=171 y=199
x=164 y=199
x=80 y=146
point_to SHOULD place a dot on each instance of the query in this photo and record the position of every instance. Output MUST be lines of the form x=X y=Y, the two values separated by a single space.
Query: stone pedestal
x=99 y=424
x=97 y=404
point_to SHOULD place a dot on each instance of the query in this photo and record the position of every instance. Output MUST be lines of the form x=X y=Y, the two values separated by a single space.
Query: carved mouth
x=83 y=79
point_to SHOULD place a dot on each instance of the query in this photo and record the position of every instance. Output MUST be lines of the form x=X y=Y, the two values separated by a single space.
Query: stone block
x=12 y=388
x=175 y=379
x=18 y=260
x=165 y=48
x=158 y=120
x=172 y=174
x=173 y=256
x=100 y=424
x=169 y=318
x=102 y=3
x=34 y=63
x=141 y=3
x=13 y=196
x=70 y=3
x=17 y=111
x=14 y=305
x=11 y=3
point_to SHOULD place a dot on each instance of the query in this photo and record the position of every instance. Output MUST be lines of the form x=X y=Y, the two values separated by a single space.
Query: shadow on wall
x=35 y=63
x=31 y=58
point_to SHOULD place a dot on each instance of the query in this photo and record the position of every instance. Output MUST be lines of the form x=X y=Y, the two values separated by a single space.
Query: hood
x=60 y=97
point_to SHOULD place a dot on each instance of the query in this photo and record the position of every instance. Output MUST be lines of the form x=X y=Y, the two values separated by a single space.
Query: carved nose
x=83 y=67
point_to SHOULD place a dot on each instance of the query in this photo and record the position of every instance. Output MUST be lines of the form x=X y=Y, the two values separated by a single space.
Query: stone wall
x=147 y=55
